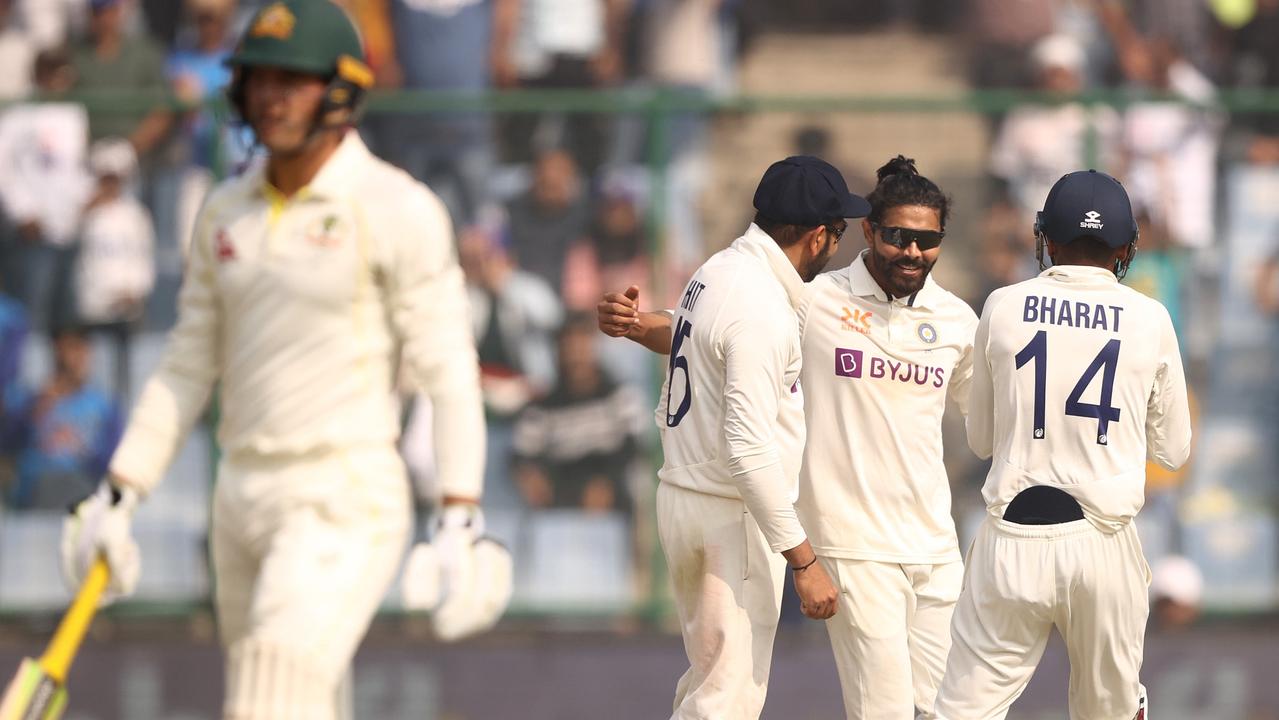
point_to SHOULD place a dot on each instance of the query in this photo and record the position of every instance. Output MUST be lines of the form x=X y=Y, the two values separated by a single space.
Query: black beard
x=883 y=272
x=815 y=266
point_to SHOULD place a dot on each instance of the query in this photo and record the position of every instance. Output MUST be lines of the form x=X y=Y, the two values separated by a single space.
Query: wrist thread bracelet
x=805 y=567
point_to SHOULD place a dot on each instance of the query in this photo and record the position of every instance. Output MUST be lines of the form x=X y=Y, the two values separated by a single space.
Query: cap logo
x=275 y=21
x=1092 y=220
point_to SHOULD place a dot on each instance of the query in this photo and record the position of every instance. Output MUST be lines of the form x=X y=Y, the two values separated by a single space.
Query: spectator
x=1170 y=147
x=1039 y=143
x=1000 y=35
x=43 y=187
x=61 y=435
x=574 y=447
x=1187 y=23
x=13 y=340
x=445 y=46
x=17 y=55
x=613 y=255
x=514 y=312
x=115 y=267
x=204 y=148
x=1266 y=285
x=558 y=44
x=547 y=220
x=685 y=45
x=197 y=71
x=1176 y=592
x=514 y=315
x=48 y=22
x=1254 y=65
x=1036 y=145
x=1158 y=271
x=109 y=61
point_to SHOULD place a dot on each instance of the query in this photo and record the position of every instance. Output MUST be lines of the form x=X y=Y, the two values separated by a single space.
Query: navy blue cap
x=1088 y=203
x=808 y=191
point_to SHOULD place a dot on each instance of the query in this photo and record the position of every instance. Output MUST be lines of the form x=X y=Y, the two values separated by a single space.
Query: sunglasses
x=838 y=232
x=901 y=237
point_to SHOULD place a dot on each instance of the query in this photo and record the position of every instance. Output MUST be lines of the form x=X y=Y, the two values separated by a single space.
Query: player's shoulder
x=234 y=192
x=953 y=306
x=737 y=289
x=1138 y=302
x=394 y=189
x=832 y=280
x=999 y=297
x=747 y=276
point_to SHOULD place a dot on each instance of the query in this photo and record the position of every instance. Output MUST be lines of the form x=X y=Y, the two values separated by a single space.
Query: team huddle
x=1068 y=382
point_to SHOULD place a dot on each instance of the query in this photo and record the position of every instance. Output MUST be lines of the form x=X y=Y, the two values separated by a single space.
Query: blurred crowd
x=109 y=141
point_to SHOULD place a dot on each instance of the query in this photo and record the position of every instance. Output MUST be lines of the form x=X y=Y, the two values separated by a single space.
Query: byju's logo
x=1092 y=220
x=848 y=363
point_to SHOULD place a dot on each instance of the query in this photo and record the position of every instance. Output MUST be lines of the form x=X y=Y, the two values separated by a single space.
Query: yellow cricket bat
x=38 y=691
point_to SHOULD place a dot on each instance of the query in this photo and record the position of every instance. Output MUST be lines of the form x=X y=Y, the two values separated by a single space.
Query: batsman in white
x=310 y=278
x=732 y=428
x=883 y=347
x=1077 y=380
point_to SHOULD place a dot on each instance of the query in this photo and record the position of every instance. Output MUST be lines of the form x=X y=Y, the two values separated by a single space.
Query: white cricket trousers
x=1021 y=581
x=304 y=549
x=891 y=634
x=727 y=585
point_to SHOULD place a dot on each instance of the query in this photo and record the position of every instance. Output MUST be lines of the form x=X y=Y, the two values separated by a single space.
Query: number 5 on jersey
x=679 y=362
x=1106 y=361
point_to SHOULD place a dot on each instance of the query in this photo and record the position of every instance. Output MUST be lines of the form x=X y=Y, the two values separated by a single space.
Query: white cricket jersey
x=731 y=414
x=301 y=309
x=877 y=372
x=1076 y=381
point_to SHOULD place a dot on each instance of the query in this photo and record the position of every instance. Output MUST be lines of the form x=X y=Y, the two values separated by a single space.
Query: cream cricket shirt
x=1077 y=380
x=302 y=308
x=876 y=376
x=731 y=414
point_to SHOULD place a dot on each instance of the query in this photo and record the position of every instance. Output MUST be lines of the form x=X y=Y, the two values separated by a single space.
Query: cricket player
x=731 y=421
x=1077 y=380
x=310 y=278
x=883 y=346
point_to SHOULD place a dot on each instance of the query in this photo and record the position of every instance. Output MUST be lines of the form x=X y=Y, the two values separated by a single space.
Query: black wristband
x=805 y=567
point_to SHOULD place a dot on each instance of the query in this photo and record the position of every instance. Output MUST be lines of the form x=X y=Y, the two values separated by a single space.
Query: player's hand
x=462 y=578
x=818 y=598
x=100 y=525
x=457 y=527
x=618 y=313
x=435 y=566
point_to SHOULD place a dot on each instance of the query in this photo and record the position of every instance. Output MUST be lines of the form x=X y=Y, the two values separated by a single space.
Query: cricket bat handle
x=57 y=658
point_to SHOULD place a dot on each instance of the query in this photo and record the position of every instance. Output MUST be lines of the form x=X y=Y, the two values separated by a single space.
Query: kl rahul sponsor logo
x=856 y=320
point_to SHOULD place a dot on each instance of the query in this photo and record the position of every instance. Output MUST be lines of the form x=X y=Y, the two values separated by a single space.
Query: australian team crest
x=276 y=21
x=325 y=233
x=927 y=333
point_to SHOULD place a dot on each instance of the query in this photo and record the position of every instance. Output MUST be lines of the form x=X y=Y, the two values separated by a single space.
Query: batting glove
x=99 y=525
x=463 y=578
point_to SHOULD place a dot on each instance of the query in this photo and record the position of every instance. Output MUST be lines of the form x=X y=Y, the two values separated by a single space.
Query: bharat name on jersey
x=732 y=293
x=877 y=372
x=1077 y=381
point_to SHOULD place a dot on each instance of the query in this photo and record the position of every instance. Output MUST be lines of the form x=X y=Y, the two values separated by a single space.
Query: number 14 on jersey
x=1106 y=361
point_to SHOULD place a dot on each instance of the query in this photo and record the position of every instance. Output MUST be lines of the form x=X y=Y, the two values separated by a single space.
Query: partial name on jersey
x=691 y=294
